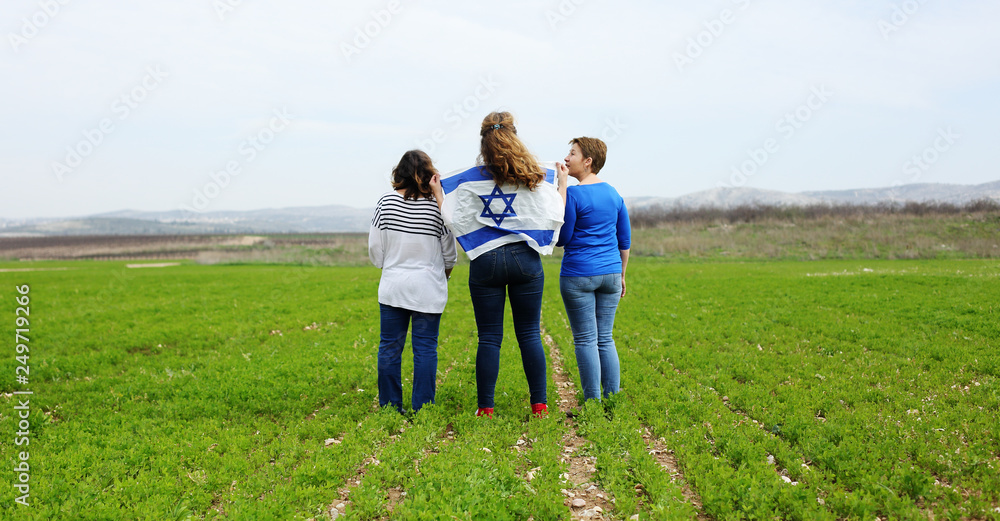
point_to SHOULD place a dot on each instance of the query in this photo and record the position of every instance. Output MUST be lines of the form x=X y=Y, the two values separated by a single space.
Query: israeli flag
x=484 y=215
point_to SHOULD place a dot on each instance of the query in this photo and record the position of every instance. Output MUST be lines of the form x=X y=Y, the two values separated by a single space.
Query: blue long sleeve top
x=595 y=228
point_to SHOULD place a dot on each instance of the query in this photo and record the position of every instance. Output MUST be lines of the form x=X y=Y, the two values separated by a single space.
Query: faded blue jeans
x=591 y=303
x=513 y=270
x=394 y=323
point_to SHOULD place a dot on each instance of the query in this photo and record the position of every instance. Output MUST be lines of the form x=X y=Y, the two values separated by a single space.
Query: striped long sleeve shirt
x=409 y=241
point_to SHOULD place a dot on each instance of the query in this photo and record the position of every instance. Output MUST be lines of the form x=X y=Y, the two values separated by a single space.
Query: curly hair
x=504 y=155
x=413 y=175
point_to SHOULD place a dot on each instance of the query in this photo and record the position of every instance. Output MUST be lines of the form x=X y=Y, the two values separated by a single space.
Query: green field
x=781 y=390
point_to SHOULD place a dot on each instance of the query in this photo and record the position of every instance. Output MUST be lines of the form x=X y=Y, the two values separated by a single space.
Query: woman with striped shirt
x=409 y=241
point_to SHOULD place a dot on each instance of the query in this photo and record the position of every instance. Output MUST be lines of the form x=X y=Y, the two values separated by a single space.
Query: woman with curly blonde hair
x=504 y=155
x=505 y=212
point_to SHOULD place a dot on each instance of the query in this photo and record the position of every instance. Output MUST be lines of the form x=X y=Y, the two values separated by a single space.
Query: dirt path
x=14 y=270
x=665 y=457
x=585 y=499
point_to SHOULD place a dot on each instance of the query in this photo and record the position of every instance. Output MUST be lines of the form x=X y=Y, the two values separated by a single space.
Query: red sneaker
x=485 y=411
x=540 y=410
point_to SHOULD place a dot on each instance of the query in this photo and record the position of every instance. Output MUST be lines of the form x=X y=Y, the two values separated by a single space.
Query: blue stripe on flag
x=476 y=173
x=542 y=237
x=479 y=173
x=473 y=240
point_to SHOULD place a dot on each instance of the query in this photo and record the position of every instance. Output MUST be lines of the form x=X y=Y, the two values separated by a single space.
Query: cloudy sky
x=246 y=104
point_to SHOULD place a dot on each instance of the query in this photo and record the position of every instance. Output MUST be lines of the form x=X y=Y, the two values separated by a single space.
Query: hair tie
x=495 y=126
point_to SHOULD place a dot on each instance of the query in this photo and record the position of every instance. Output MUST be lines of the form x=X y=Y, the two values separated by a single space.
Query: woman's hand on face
x=562 y=181
x=435 y=183
x=436 y=189
x=563 y=173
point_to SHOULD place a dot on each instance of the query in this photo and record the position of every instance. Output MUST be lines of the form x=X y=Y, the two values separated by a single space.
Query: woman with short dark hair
x=409 y=241
x=596 y=238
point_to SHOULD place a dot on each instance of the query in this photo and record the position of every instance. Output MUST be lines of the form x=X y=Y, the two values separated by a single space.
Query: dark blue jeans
x=394 y=323
x=513 y=270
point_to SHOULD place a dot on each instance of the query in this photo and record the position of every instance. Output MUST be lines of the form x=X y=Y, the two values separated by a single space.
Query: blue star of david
x=508 y=210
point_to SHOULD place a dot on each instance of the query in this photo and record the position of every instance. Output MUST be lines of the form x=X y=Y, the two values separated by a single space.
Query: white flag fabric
x=484 y=215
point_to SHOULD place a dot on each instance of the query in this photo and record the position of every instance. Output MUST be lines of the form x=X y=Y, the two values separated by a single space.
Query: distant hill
x=316 y=219
x=331 y=219
x=923 y=192
x=731 y=197
x=727 y=198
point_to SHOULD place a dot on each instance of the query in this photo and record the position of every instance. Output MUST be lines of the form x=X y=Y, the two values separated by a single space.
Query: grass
x=209 y=392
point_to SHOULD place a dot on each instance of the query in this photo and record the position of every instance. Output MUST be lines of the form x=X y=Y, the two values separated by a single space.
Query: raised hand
x=562 y=181
x=436 y=189
x=563 y=173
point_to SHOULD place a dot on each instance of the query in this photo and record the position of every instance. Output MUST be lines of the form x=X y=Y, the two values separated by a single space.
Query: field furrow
x=665 y=457
x=586 y=499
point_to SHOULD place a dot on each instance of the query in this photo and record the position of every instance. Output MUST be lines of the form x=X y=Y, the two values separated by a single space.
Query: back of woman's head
x=413 y=175
x=504 y=155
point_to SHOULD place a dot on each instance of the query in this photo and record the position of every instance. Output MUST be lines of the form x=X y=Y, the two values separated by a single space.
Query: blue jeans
x=591 y=303
x=513 y=270
x=394 y=323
